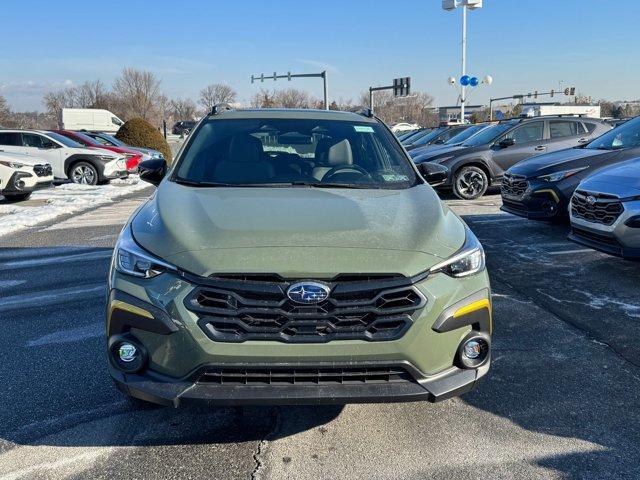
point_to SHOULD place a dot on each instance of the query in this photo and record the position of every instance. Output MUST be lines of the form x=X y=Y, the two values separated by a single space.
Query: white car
x=68 y=158
x=22 y=174
x=404 y=127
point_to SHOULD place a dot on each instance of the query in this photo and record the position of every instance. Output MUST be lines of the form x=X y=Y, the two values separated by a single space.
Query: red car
x=133 y=157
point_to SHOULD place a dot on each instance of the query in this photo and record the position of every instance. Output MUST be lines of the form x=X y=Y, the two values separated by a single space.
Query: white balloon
x=488 y=79
x=451 y=80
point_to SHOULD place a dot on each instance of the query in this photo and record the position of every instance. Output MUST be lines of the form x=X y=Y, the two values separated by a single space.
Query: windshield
x=466 y=133
x=105 y=139
x=416 y=136
x=300 y=152
x=428 y=137
x=488 y=135
x=87 y=140
x=66 y=141
x=626 y=135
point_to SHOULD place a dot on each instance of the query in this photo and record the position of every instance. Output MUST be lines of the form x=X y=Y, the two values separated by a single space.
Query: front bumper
x=170 y=392
x=618 y=239
x=25 y=182
x=538 y=203
x=178 y=351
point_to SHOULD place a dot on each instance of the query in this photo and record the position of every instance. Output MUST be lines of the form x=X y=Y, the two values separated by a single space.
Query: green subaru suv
x=291 y=257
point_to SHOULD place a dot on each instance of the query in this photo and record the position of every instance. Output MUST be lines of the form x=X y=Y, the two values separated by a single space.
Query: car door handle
x=583 y=140
x=539 y=148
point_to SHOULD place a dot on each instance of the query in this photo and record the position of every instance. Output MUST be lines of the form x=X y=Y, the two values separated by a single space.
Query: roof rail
x=220 y=107
x=365 y=112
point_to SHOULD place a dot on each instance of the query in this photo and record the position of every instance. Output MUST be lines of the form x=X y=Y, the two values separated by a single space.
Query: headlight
x=131 y=259
x=469 y=260
x=107 y=158
x=557 y=176
x=10 y=164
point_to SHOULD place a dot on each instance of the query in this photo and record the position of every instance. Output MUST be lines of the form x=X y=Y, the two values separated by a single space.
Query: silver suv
x=605 y=211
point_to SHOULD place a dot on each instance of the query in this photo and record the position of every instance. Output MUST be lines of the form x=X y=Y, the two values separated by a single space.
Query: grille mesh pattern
x=514 y=185
x=596 y=209
x=238 y=311
x=306 y=376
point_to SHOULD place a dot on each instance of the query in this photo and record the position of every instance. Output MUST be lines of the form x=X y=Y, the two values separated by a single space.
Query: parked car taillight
x=133 y=161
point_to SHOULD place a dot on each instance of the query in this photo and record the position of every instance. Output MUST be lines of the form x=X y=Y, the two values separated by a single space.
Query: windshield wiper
x=191 y=183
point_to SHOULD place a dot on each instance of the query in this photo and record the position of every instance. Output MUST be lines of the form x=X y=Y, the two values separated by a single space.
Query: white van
x=91 y=119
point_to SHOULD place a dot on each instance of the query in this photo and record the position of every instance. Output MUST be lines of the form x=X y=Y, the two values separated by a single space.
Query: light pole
x=450 y=5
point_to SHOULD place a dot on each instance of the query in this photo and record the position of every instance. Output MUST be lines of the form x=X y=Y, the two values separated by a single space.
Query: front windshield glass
x=626 y=135
x=466 y=133
x=416 y=136
x=488 y=135
x=66 y=141
x=428 y=137
x=294 y=152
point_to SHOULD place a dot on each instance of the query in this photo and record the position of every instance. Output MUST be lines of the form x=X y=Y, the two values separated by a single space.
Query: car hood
x=431 y=155
x=562 y=160
x=298 y=232
x=22 y=158
x=622 y=180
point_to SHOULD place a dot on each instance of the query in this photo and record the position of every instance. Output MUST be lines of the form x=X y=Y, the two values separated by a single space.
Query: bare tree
x=6 y=119
x=293 y=98
x=216 y=93
x=264 y=99
x=139 y=91
x=91 y=94
x=184 y=109
x=414 y=109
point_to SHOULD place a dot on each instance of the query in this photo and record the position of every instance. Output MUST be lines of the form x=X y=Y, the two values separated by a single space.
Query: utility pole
x=325 y=88
x=450 y=5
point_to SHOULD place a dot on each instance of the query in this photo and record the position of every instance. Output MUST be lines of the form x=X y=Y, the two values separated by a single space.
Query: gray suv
x=481 y=160
x=605 y=211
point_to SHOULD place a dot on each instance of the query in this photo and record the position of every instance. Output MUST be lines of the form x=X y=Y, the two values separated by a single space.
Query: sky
x=524 y=45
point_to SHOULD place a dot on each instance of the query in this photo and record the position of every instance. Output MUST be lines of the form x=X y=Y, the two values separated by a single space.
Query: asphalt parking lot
x=562 y=399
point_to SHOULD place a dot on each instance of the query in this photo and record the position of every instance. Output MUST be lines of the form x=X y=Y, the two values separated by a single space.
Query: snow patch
x=64 y=200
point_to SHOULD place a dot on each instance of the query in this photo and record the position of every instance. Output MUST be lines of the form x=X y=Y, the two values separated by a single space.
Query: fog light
x=474 y=351
x=127 y=352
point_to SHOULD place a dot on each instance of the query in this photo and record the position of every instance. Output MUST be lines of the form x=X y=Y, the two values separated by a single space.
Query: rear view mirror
x=152 y=171
x=433 y=173
x=507 y=142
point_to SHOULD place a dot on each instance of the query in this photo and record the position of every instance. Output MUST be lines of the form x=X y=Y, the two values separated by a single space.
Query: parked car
x=406 y=135
x=20 y=175
x=183 y=127
x=605 y=211
x=481 y=160
x=272 y=277
x=540 y=188
x=133 y=157
x=68 y=158
x=92 y=119
x=455 y=140
x=404 y=127
x=415 y=136
x=111 y=141
x=437 y=136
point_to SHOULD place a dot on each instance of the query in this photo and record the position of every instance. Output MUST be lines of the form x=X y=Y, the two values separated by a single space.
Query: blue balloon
x=464 y=80
x=474 y=81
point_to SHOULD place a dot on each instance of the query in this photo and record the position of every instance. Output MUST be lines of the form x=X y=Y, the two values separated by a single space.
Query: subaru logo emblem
x=591 y=200
x=308 y=292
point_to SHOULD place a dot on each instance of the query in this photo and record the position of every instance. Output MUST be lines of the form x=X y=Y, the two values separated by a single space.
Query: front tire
x=17 y=197
x=83 y=173
x=470 y=183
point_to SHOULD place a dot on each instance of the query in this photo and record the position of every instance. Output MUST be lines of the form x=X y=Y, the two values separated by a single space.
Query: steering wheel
x=342 y=168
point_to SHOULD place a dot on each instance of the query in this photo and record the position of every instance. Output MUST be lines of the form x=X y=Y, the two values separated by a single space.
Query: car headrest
x=245 y=148
x=340 y=154
x=322 y=149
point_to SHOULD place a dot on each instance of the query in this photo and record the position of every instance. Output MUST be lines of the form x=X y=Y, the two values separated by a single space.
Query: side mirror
x=152 y=170
x=507 y=142
x=433 y=173
x=438 y=142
